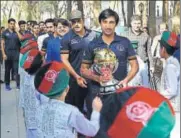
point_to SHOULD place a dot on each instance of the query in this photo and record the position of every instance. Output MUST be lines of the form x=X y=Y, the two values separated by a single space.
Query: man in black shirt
x=73 y=45
x=10 y=50
x=1 y=56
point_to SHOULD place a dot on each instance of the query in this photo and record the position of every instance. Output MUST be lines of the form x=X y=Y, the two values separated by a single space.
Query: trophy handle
x=116 y=66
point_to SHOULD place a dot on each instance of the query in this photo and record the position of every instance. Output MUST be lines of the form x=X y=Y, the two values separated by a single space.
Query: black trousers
x=94 y=89
x=11 y=64
x=76 y=95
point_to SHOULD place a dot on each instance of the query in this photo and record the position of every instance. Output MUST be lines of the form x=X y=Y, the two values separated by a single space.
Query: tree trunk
x=55 y=6
x=96 y=11
x=29 y=10
x=30 y=7
x=165 y=11
x=123 y=12
x=145 y=15
x=10 y=11
x=69 y=8
x=176 y=10
x=20 y=10
x=80 y=7
x=115 y=2
x=130 y=5
x=152 y=19
x=62 y=10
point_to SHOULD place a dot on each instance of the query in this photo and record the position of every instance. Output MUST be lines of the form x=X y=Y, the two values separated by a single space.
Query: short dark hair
x=170 y=50
x=21 y=22
x=2 y=27
x=49 y=20
x=107 y=13
x=11 y=20
x=35 y=24
x=41 y=22
x=29 y=21
x=64 y=22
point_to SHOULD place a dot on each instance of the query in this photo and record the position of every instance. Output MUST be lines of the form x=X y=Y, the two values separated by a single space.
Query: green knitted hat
x=31 y=61
x=52 y=79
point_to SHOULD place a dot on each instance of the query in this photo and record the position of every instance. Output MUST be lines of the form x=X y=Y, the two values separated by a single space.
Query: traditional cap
x=52 y=79
x=168 y=39
x=31 y=61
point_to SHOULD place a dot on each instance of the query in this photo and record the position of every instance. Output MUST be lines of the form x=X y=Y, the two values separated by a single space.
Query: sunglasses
x=76 y=21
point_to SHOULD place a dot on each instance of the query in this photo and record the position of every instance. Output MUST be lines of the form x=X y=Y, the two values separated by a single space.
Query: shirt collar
x=131 y=31
x=10 y=31
x=87 y=31
x=116 y=39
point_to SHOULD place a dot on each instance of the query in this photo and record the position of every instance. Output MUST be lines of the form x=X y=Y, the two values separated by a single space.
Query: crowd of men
x=70 y=43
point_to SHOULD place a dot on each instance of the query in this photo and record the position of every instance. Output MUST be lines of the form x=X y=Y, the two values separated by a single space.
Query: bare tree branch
x=123 y=12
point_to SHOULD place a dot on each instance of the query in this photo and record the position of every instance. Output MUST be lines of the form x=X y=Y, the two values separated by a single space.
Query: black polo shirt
x=122 y=48
x=12 y=43
x=74 y=45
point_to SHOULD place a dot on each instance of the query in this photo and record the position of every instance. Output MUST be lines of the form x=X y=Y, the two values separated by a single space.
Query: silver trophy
x=105 y=62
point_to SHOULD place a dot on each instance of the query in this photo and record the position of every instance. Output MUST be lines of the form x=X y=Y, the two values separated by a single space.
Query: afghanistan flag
x=28 y=45
x=136 y=112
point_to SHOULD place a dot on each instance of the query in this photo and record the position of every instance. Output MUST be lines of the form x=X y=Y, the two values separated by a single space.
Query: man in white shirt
x=170 y=80
x=49 y=23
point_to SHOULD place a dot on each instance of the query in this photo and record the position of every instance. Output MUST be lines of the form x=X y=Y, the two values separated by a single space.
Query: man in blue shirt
x=53 y=45
x=73 y=45
x=42 y=40
x=122 y=48
x=10 y=50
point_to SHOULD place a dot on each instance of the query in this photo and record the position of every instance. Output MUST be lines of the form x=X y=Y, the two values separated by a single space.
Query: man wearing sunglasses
x=74 y=44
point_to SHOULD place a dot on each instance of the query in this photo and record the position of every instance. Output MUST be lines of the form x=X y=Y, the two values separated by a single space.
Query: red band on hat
x=50 y=77
x=172 y=39
x=137 y=111
x=30 y=58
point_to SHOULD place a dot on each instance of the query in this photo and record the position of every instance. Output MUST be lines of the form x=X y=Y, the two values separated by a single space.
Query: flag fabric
x=28 y=45
x=136 y=112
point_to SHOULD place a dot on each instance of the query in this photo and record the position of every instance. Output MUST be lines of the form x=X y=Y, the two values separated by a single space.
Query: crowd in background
x=143 y=61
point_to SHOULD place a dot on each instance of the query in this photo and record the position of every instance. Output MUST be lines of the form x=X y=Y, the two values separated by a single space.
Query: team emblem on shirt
x=7 y=34
x=51 y=76
x=120 y=47
x=74 y=41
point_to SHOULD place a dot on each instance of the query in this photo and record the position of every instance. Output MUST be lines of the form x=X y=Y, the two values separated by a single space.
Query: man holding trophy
x=106 y=49
x=105 y=60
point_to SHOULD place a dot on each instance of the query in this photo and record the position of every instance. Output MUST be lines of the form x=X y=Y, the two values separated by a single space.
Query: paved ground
x=12 y=122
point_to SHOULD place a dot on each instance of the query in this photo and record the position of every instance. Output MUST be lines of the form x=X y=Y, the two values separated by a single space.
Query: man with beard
x=73 y=45
x=49 y=23
x=10 y=46
x=42 y=28
x=28 y=27
x=123 y=50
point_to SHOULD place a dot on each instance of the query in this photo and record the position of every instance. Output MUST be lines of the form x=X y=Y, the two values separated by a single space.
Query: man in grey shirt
x=143 y=40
